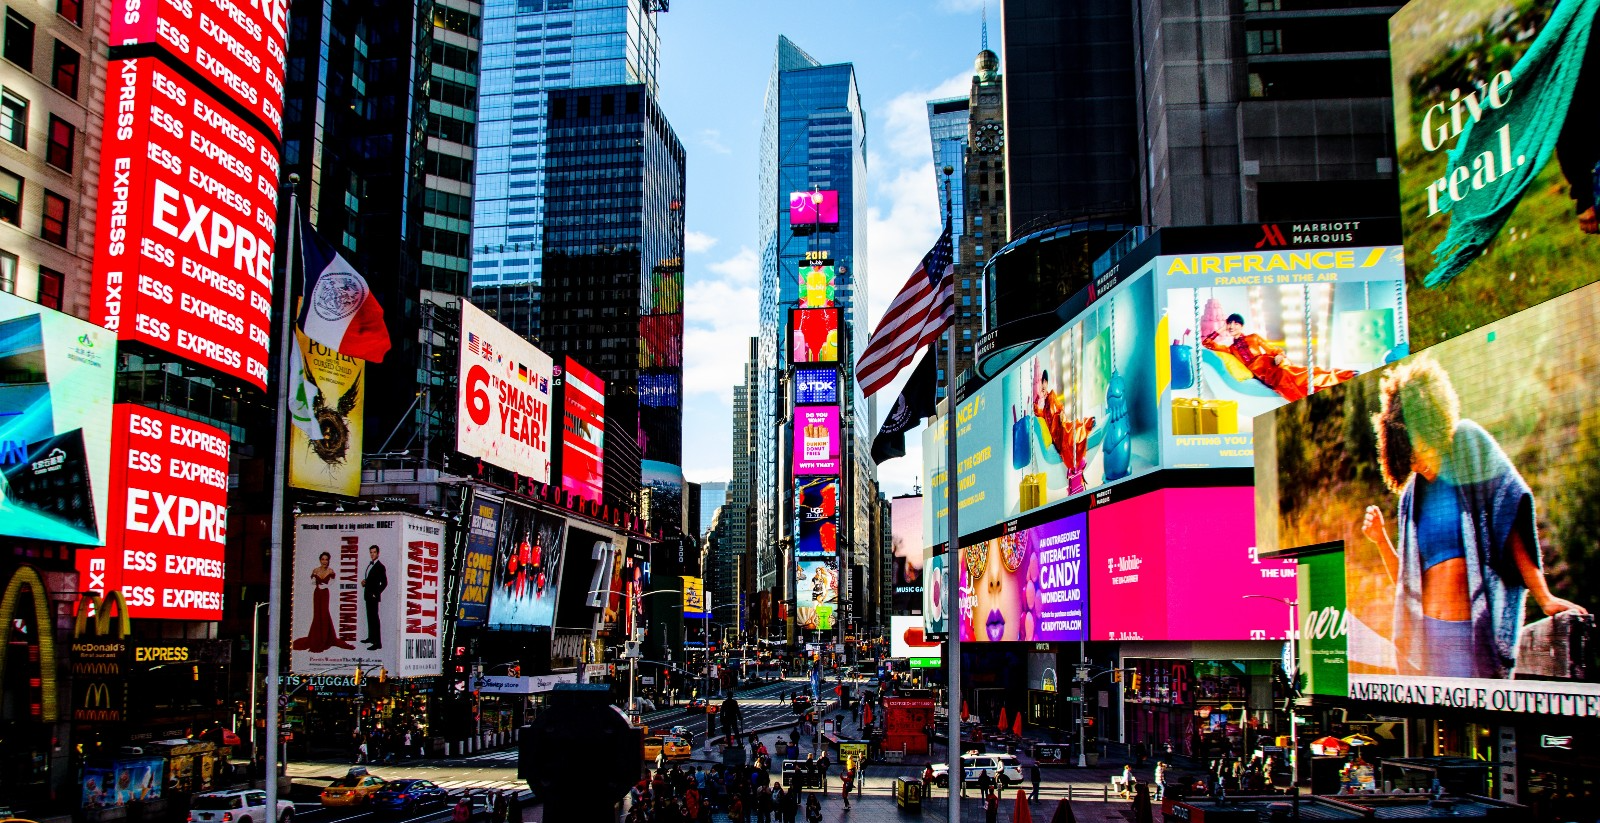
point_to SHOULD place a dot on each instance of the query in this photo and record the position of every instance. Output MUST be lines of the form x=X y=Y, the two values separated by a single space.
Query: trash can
x=908 y=794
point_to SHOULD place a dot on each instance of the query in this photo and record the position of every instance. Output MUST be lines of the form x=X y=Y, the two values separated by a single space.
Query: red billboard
x=583 y=431
x=168 y=521
x=186 y=224
x=815 y=335
x=238 y=45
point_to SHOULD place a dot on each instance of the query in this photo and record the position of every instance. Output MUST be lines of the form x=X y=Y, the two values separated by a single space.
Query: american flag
x=924 y=308
x=474 y=344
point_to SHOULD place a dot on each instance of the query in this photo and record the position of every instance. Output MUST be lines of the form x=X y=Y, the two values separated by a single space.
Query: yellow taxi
x=353 y=789
x=673 y=748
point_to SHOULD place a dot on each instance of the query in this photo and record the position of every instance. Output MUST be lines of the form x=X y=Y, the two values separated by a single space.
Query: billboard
x=664 y=482
x=1324 y=650
x=816 y=387
x=1462 y=483
x=332 y=464
x=816 y=440
x=367 y=593
x=818 y=287
x=934 y=593
x=477 y=565
x=816 y=592
x=187 y=223
x=1497 y=185
x=905 y=539
x=816 y=514
x=694 y=598
x=660 y=390
x=1181 y=564
x=813 y=211
x=527 y=568
x=906 y=639
x=585 y=575
x=583 y=431
x=814 y=335
x=1233 y=340
x=55 y=424
x=661 y=341
x=238 y=47
x=503 y=409
x=1028 y=585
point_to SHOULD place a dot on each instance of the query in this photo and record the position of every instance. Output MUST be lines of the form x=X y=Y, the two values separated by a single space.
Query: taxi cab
x=673 y=748
x=354 y=789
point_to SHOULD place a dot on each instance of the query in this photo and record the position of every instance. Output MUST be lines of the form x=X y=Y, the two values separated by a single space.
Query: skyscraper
x=531 y=47
x=949 y=121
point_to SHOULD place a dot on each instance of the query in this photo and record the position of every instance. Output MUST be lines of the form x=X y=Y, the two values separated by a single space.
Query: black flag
x=914 y=403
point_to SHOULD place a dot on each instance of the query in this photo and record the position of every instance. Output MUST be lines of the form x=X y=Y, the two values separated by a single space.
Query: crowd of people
x=678 y=793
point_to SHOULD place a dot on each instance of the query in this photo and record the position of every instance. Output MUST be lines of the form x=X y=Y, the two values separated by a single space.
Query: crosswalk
x=501 y=757
x=482 y=784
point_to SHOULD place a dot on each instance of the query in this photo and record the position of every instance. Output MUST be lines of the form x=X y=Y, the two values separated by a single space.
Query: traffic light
x=1136 y=679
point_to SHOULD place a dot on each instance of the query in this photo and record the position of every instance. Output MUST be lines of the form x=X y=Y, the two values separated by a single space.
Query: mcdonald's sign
x=26 y=577
x=100 y=659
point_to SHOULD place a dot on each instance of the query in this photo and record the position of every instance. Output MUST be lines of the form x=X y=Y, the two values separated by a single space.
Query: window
x=1266 y=41
x=65 y=74
x=14 y=118
x=71 y=10
x=62 y=137
x=54 y=225
x=8 y=271
x=50 y=282
x=19 y=40
x=10 y=198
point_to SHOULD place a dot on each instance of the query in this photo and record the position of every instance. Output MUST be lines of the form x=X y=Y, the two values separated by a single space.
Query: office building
x=949 y=122
x=712 y=496
x=738 y=511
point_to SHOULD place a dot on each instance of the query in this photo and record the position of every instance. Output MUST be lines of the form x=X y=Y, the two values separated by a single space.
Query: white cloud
x=721 y=315
x=906 y=117
x=712 y=139
x=965 y=5
x=695 y=242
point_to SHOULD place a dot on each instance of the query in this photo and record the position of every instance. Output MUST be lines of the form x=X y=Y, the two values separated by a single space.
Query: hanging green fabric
x=1542 y=84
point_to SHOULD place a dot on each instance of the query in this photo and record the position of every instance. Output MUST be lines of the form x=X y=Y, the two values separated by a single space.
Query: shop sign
x=27 y=576
x=567 y=648
x=1553 y=697
x=99 y=660
x=1555 y=741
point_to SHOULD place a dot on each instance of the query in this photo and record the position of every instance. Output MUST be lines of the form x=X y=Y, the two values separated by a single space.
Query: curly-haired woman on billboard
x=1468 y=553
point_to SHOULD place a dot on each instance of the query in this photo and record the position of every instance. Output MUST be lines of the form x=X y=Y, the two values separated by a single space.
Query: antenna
x=985 y=25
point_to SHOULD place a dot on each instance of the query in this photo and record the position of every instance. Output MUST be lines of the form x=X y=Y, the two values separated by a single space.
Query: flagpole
x=279 y=460
x=956 y=772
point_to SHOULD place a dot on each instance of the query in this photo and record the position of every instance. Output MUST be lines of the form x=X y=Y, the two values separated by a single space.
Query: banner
x=477 y=566
x=906 y=639
x=816 y=593
x=694 y=598
x=1323 y=621
x=583 y=431
x=503 y=412
x=527 y=568
x=332 y=464
x=905 y=529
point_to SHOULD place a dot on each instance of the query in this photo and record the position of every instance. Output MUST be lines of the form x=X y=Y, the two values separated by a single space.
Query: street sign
x=924 y=662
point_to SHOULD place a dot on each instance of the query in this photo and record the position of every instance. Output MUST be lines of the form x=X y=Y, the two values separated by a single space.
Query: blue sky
x=716 y=56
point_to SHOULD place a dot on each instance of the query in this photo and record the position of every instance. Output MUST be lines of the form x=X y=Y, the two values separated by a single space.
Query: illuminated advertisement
x=583 y=431
x=1027 y=585
x=664 y=482
x=817 y=286
x=814 y=335
x=816 y=387
x=934 y=593
x=478 y=563
x=665 y=294
x=816 y=514
x=237 y=46
x=905 y=527
x=816 y=440
x=55 y=424
x=503 y=410
x=1462 y=483
x=585 y=575
x=1324 y=649
x=367 y=593
x=661 y=341
x=1181 y=564
x=1497 y=185
x=812 y=211
x=907 y=640
x=186 y=223
x=527 y=568
x=816 y=592
x=694 y=598
x=332 y=464
x=1233 y=340
x=660 y=390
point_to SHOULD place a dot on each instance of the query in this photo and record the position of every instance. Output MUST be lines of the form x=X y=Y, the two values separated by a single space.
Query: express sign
x=236 y=44
x=187 y=221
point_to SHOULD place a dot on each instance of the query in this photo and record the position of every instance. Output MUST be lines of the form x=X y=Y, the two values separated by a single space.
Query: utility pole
x=957 y=773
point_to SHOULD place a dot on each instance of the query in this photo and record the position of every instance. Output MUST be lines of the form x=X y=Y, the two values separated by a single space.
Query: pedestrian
x=1037 y=778
x=661 y=760
x=991 y=808
x=361 y=752
x=813 y=809
x=984 y=782
x=405 y=743
x=927 y=780
x=822 y=766
x=846 y=783
x=1161 y=780
x=736 y=810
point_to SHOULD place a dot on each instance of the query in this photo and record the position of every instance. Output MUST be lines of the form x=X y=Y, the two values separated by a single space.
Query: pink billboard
x=1178 y=564
x=813 y=211
x=816 y=440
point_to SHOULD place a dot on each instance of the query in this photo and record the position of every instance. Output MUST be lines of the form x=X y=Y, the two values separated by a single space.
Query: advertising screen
x=906 y=639
x=1028 y=585
x=694 y=598
x=817 y=286
x=187 y=222
x=664 y=482
x=816 y=440
x=583 y=431
x=1233 y=340
x=815 y=335
x=816 y=387
x=527 y=568
x=811 y=211
x=55 y=424
x=816 y=514
x=503 y=412
x=1463 y=483
x=477 y=565
x=660 y=390
x=332 y=464
x=816 y=592
x=934 y=593
x=905 y=527
x=661 y=341
x=367 y=593
x=1324 y=649
x=238 y=46
x=585 y=575
x=1496 y=164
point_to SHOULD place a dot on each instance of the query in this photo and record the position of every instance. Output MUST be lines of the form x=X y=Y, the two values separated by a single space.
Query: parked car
x=241 y=806
x=408 y=796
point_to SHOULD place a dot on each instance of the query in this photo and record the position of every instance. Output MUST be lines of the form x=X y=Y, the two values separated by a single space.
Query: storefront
x=1201 y=707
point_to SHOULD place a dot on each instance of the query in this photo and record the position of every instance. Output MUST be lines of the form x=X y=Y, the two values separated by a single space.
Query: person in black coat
x=372 y=586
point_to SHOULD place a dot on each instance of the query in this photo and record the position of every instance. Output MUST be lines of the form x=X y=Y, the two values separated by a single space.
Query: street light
x=255 y=657
x=1293 y=671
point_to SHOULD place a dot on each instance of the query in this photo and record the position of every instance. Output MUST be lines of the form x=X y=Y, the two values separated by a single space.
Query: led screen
x=905 y=526
x=1233 y=340
x=1497 y=178
x=477 y=575
x=583 y=431
x=816 y=387
x=503 y=411
x=661 y=341
x=817 y=286
x=1462 y=483
x=527 y=568
x=332 y=464
x=816 y=513
x=814 y=335
x=1027 y=585
x=816 y=592
x=811 y=211
x=935 y=593
x=659 y=390
x=816 y=440
x=906 y=639
x=664 y=482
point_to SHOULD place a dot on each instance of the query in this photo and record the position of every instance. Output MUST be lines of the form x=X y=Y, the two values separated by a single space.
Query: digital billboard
x=1324 y=648
x=186 y=224
x=1497 y=185
x=585 y=575
x=664 y=482
x=332 y=464
x=1462 y=483
x=816 y=387
x=527 y=568
x=1233 y=340
x=813 y=211
x=694 y=598
x=661 y=341
x=818 y=286
x=238 y=47
x=583 y=431
x=816 y=592
x=660 y=389
x=478 y=562
x=906 y=639
x=935 y=590
x=55 y=424
x=367 y=593
x=905 y=539
x=1181 y=564
x=816 y=440
x=814 y=335
x=503 y=408
x=1028 y=585
x=816 y=514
